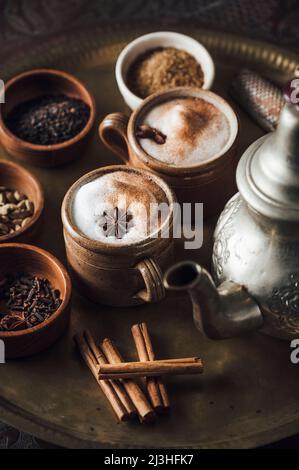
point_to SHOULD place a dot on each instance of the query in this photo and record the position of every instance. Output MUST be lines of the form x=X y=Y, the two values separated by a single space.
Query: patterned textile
x=10 y=438
x=23 y=23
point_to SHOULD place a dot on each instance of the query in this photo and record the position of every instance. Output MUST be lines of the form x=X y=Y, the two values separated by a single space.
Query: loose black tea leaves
x=49 y=119
x=28 y=301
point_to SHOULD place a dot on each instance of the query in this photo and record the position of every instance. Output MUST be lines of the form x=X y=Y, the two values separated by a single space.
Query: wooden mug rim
x=181 y=92
x=109 y=248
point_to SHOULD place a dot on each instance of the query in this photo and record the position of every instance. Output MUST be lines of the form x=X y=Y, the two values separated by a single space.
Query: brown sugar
x=161 y=69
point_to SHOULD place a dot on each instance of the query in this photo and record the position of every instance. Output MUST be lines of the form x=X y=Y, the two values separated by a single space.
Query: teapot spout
x=221 y=312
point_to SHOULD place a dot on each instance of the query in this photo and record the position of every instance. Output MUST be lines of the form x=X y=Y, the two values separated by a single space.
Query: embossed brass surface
x=54 y=396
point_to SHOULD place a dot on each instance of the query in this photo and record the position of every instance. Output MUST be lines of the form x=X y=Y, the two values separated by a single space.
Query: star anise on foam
x=147 y=132
x=14 y=321
x=116 y=222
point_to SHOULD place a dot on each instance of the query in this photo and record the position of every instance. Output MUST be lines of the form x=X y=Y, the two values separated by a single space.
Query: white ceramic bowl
x=152 y=41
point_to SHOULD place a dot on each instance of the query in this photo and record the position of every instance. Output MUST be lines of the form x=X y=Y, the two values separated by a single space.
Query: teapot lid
x=268 y=172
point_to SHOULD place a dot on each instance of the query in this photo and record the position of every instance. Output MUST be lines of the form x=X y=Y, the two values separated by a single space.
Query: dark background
x=24 y=23
x=27 y=21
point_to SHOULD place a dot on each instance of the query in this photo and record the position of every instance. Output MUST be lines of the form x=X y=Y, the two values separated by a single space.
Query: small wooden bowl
x=30 y=85
x=14 y=176
x=16 y=258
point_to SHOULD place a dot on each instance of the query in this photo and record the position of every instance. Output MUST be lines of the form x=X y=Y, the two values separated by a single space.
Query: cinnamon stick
x=117 y=406
x=127 y=370
x=182 y=360
x=154 y=385
x=117 y=386
x=146 y=412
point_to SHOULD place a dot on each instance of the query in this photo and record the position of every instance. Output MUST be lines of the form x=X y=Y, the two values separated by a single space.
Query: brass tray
x=248 y=395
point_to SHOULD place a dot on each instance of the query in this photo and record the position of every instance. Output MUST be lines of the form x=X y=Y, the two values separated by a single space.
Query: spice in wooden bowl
x=26 y=301
x=161 y=69
x=16 y=210
x=49 y=119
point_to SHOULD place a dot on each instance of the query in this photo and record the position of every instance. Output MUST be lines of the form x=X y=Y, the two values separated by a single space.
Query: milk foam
x=196 y=131
x=128 y=192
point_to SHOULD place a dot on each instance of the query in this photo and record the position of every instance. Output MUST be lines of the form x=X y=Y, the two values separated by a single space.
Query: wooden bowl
x=30 y=85
x=16 y=258
x=14 y=176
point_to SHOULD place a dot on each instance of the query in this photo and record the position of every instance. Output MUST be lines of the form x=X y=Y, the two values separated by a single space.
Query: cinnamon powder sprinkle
x=161 y=69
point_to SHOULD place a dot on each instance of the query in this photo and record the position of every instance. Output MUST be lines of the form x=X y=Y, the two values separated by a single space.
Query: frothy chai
x=119 y=207
x=195 y=131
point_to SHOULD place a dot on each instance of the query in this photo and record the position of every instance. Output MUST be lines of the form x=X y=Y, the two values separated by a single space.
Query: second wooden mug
x=211 y=182
x=118 y=274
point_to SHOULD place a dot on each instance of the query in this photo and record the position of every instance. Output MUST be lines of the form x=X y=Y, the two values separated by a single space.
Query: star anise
x=14 y=321
x=116 y=222
x=147 y=132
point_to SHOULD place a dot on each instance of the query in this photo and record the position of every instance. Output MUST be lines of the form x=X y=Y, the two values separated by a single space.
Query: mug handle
x=113 y=133
x=153 y=279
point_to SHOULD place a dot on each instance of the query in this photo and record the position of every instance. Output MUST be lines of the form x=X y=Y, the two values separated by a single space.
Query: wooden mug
x=118 y=274
x=211 y=182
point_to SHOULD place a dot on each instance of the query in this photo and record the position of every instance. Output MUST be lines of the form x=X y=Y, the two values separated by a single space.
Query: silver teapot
x=255 y=283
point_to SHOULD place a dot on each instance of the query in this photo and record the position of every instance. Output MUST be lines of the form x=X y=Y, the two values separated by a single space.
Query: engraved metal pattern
x=95 y=44
x=284 y=305
x=224 y=231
